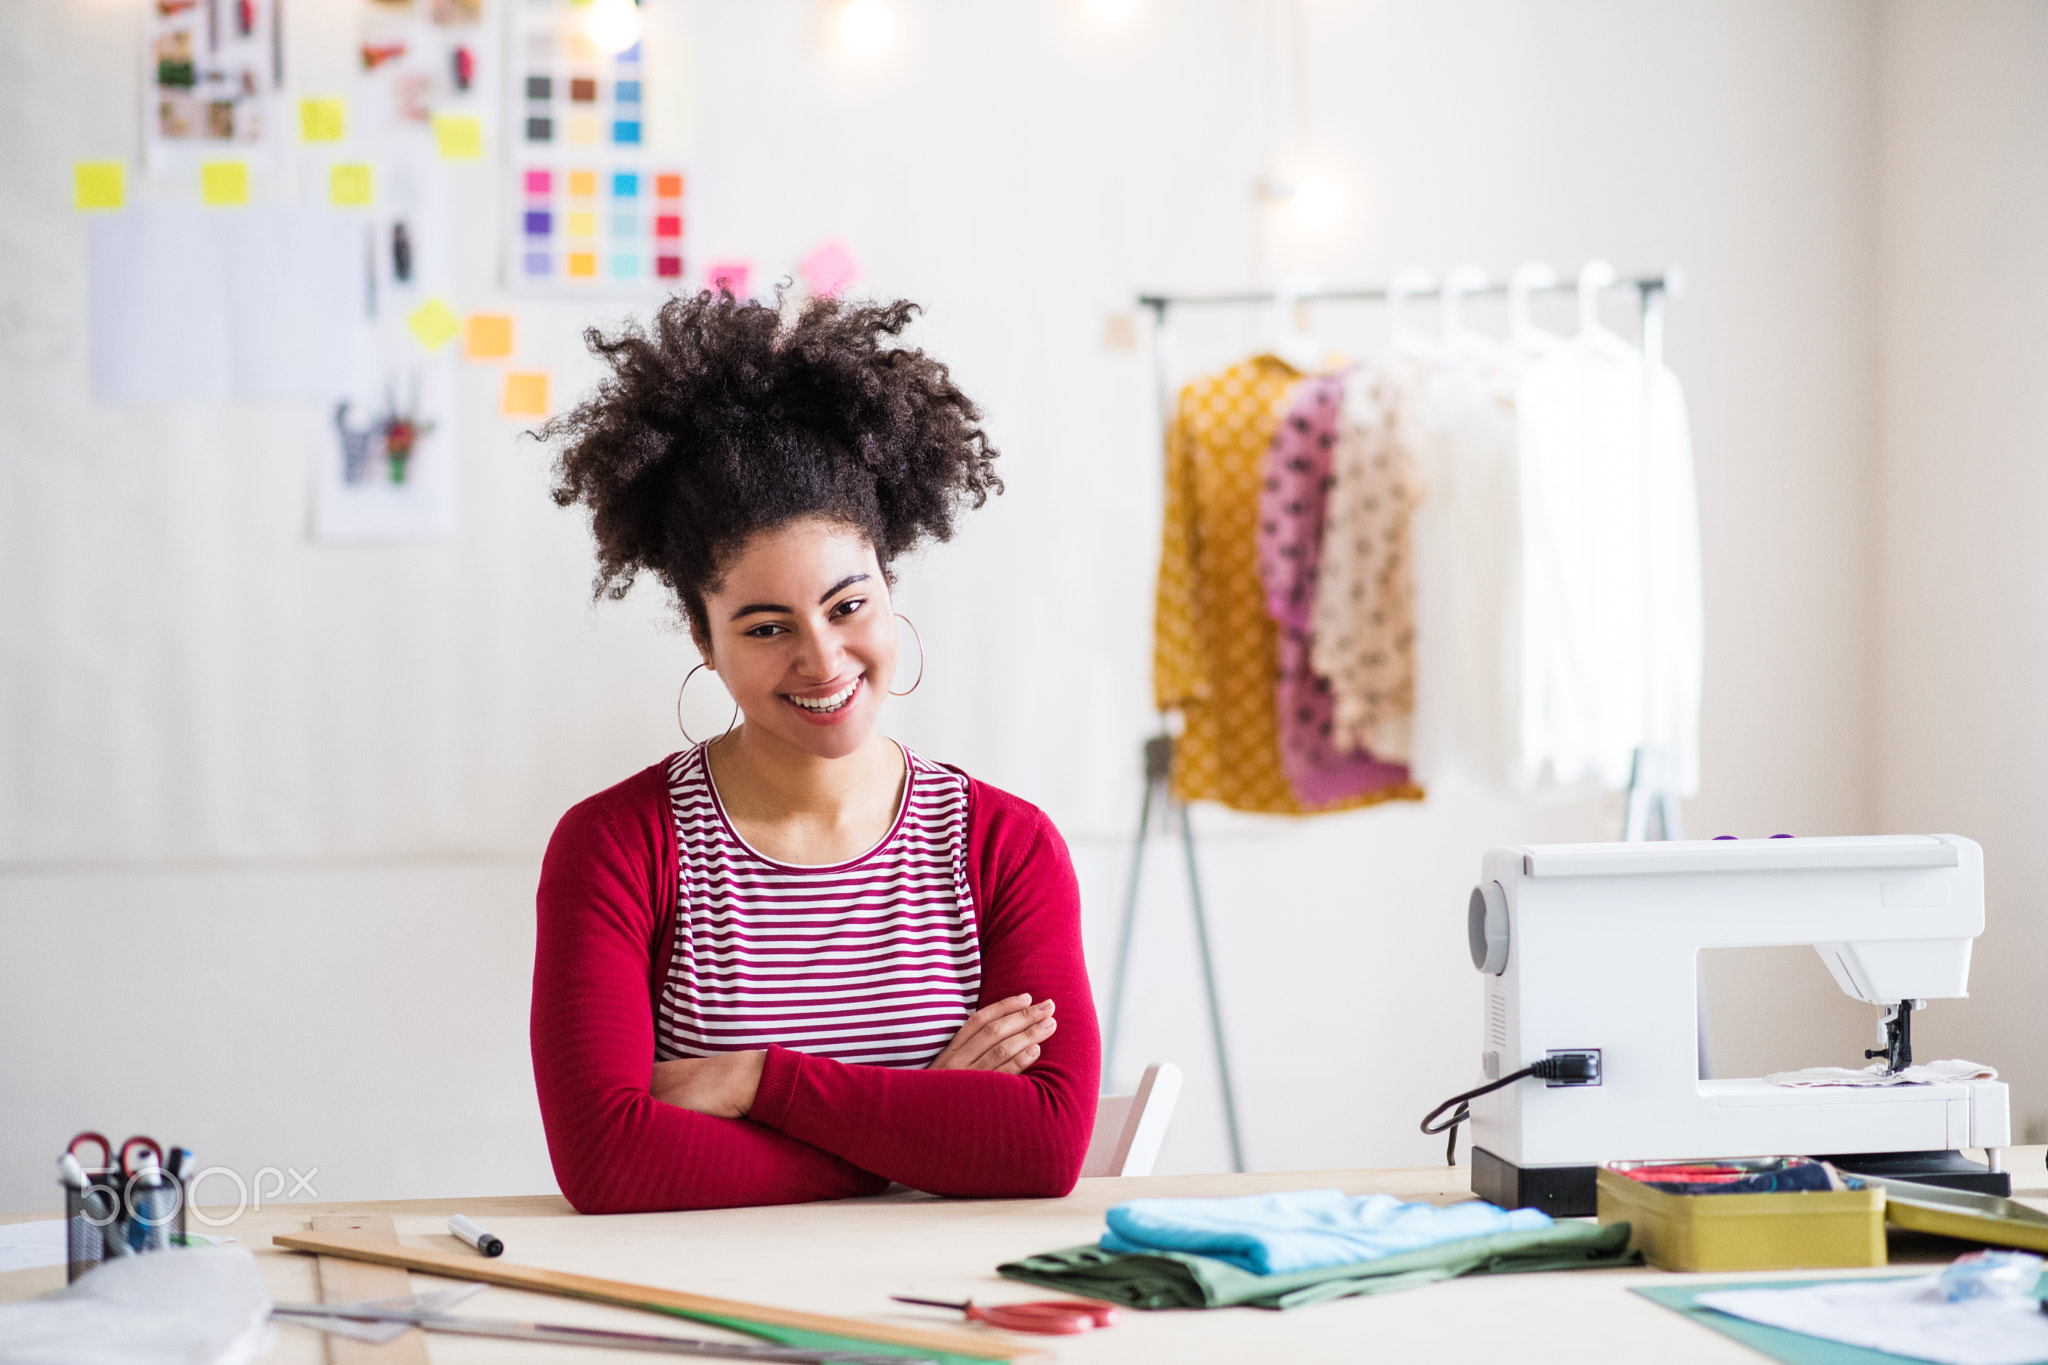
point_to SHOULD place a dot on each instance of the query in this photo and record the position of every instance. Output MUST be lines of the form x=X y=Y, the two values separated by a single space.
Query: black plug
x=1569 y=1066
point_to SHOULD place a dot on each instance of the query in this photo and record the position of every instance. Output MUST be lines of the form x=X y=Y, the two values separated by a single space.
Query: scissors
x=1050 y=1316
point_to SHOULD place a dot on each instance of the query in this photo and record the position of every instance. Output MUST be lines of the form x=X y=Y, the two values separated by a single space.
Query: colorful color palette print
x=595 y=213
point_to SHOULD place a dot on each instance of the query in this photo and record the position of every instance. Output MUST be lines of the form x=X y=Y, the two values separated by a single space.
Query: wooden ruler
x=353 y=1281
x=358 y=1246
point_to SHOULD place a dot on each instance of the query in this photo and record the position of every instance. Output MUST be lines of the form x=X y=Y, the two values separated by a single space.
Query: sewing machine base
x=1560 y=1191
x=1950 y=1170
x=1568 y=1191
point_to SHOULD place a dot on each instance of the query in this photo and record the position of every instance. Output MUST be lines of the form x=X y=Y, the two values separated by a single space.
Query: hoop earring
x=679 y=706
x=920 y=657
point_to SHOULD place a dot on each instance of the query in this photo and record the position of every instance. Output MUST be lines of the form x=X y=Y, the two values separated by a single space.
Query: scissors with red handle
x=1050 y=1316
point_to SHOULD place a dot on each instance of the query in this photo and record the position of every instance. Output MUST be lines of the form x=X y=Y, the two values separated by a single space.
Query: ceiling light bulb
x=866 y=27
x=1318 y=200
x=613 y=25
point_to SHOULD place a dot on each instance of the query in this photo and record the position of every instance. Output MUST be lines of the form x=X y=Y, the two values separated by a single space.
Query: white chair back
x=1129 y=1128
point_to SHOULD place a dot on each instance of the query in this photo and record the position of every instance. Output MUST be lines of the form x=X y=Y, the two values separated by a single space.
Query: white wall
x=1962 y=589
x=199 y=708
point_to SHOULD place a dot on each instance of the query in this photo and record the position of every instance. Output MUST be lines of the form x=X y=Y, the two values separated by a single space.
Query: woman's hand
x=721 y=1085
x=999 y=1037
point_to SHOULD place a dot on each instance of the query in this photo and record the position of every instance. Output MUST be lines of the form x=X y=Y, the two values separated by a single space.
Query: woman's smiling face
x=803 y=635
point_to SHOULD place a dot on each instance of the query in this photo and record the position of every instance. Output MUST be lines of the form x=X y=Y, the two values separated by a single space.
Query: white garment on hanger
x=1467 y=576
x=1599 y=674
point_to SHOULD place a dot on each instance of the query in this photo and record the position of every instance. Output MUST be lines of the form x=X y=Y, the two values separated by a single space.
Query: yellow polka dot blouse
x=1216 y=653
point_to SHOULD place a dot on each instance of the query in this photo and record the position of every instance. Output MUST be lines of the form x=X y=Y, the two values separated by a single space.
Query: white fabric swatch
x=1929 y=1073
x=203 y=1306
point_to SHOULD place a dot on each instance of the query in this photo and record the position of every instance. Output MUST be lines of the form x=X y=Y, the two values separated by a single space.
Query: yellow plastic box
x=1795 y=1230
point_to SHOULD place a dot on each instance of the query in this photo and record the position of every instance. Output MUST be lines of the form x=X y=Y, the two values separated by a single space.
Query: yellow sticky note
x=99 y=184
x=348 y=185
x=433 y=324
x=489 y=336
x=583 y=225
x=323 y=120
x=583 y=263
x=526 y=395
x=459 y=136
x=224 y=183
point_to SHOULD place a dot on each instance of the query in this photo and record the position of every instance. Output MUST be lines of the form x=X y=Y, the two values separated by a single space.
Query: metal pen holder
x=119 y=1215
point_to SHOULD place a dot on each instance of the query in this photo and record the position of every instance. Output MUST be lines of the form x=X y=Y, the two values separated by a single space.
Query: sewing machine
x=1593 y=948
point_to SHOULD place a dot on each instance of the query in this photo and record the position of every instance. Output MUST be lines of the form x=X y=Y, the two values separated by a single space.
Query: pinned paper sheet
x=223 y=184
x=98 y=184
x=323 y=120
x=526 y=395
x=489 y=336
x=729 y=276
x=433 y=324
x=349 y=184
x=828 y=270
x=459 y=136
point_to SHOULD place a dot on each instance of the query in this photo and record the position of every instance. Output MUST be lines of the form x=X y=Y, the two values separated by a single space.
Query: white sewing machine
x=1594 y=948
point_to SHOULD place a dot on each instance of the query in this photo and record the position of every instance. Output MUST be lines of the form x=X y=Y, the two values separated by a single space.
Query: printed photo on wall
x=387 y=470
x=424 y=60
x=214 y=68
x=387 y=453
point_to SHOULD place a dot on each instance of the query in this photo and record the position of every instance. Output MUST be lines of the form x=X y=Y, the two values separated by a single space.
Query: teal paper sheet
x=1792 y=1348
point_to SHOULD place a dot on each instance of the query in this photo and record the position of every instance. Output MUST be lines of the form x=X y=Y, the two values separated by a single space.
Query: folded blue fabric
x=1279 y=1234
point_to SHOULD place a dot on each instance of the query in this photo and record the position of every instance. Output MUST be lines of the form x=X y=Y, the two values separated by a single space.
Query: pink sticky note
x=538 y=182
x=729 y=276
x=829 y=269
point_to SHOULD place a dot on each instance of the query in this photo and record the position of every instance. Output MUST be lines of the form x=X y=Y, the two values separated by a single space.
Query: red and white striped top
x=874 y=960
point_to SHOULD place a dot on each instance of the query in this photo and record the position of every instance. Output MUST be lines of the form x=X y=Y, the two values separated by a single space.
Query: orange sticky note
x=98 y=184
x=583 y=263
x=460 y=137
x=489 y=336
x=526 y=395
x=224 y=184
x=583 y=184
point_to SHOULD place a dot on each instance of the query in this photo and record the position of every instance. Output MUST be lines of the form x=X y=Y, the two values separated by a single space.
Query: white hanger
x=1413 y=280
x=1529 y=276
x=1285 y=338
x=1594 y=276
x=1458 y=283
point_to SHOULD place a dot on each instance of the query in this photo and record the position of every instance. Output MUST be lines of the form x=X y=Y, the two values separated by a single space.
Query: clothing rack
x=1651 y=811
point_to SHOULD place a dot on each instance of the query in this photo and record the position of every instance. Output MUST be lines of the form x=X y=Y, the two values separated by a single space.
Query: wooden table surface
x=849 y=1256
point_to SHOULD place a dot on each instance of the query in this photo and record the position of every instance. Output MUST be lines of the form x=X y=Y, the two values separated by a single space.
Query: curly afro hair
x=721 y=420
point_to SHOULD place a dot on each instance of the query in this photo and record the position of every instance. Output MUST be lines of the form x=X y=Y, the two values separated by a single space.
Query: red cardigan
x=819 y=1129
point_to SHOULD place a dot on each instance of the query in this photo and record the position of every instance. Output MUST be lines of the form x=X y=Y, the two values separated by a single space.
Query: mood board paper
x=213 y=70
x=591 y=211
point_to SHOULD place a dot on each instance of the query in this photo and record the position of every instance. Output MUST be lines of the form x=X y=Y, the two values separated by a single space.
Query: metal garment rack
x=1652 y=807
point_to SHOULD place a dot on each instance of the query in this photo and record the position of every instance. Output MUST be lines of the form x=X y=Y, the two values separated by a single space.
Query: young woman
x=797 y=961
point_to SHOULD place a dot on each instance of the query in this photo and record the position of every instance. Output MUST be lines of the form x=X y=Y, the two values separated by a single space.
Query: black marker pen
x=475 y=1236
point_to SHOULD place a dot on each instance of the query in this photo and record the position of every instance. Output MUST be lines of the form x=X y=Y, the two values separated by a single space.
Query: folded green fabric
x=1179 y=1279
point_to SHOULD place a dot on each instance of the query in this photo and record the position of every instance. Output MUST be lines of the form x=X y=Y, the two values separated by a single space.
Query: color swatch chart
x=579 y=224
x=593 y=213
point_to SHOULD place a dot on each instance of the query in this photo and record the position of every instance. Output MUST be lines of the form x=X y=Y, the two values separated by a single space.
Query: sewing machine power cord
x=1567 y=1067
